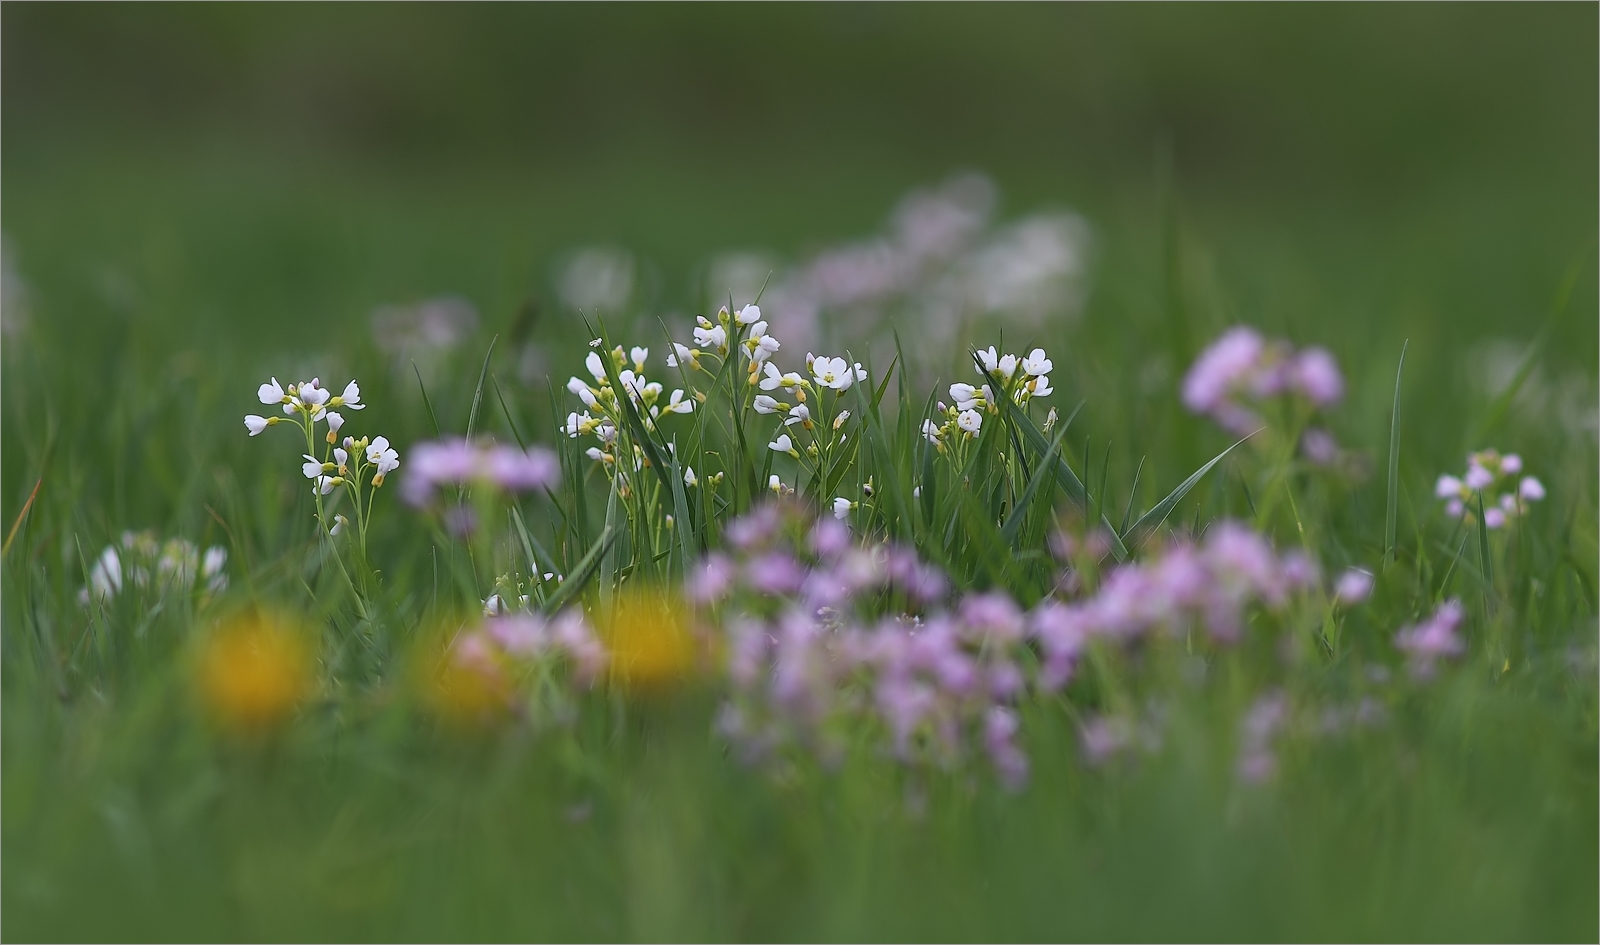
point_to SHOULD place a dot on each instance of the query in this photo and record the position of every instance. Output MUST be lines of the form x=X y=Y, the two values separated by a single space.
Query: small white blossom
x=1007 y=365
x=774 y=379
x=272 y=393
x=335 y=421
x=970 y=421
x=689 y=478
x=990 y=359
x=838 y=421
x=350 y=398
x=833 y=372
x=380 y=454
x=931 y=431
x=638 y=356
x=842 y=507
x=312 y=467
x=677 y=404
x=1036 y=364
x=683 y=354
x=596 y=367
x=765 y=404
x=713 y=336
x=799 y=413
x=256 y=424
x=782 y=444
x=748 y=315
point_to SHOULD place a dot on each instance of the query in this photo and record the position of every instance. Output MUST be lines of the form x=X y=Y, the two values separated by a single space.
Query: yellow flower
x=253 y=671
x=647 y=638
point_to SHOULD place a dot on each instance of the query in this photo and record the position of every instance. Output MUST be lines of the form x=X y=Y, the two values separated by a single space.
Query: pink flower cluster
x=464 y=462
x=1494 y=476
x=532 y=638
x=811 y=665
x=1241 y=368
x=1425 y=644
x=1208 y=586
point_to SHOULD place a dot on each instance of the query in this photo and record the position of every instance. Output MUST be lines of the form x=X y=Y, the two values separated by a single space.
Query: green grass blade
x=1030 y=432
x=582 y=572
x=1392 y=506
x=506 y=410
x=1153 y=519
x=1013 y=522
x=427 y=401
x=477 y=395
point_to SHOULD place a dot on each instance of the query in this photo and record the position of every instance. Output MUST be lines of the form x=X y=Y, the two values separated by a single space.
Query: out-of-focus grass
x=198 y=199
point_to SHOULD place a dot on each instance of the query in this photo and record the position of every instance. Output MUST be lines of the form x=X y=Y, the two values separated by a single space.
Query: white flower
x=1448 y=487
x=841 y=508
x=1531 y=489
x=1040 y=386
x=632 y=383
x=774 y=379
x=762 y=345
x=256 y=424
x=312 y=397
x=350 y=398
x=833 y=372
x=578 y=385
x=838 y=421
x=493 y=606
x=689 y=478
x=607 y=433
x=335 y=421
x=339 y=523
x=1036 y=364
x=782 y=444
x=594 y=453
x=712 y=337
x=341 y=458
x=380 y=454
x=931 y=431
x=272 y=393
x=312 y=467
x=799 y=413
x=776 y=485
x=1007 y=365
x=325 y=484
x=970 y=421
x=990 y=359
x=596 y=367
x=765 y=404
x=638 y=356
x=578 y=423
x=683 y=354
x=968 y=397
x=748 y=315
x=677 y=404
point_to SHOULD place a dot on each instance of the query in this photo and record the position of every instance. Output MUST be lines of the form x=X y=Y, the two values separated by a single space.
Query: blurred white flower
x=596 y=278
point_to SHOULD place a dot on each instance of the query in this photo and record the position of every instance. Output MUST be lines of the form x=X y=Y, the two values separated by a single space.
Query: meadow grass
x=138 y=804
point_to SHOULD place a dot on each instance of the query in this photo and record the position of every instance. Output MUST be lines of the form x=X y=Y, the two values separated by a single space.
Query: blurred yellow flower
x=253 y=670
x=464 y=682
x=647 y=638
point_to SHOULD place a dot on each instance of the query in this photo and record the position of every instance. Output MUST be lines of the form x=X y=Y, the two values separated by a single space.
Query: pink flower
x=1353 y=587
x=1433 y=639
x=1317 y=376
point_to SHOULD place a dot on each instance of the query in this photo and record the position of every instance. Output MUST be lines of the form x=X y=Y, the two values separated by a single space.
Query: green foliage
x=171 y=268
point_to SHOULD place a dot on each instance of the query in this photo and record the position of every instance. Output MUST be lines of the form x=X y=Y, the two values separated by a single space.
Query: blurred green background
x=237 y=185
x=197 y=196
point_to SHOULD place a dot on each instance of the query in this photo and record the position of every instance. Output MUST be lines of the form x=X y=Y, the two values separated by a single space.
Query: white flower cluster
x=600 y=397
x=346 y=464
x=1025 y=378
x=1488 y=472
x=142 y=561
